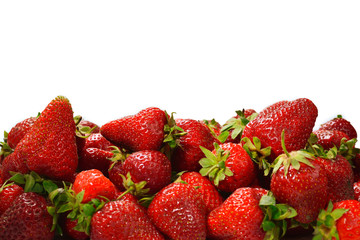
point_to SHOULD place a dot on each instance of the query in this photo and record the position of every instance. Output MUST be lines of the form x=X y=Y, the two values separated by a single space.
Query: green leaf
x=80 y=196
x=29 y=183
x=208 y=153
x=88 y=209
x=18 y=178
x=268 y=225
x=267 y=200
x=49 y=186
x=65 y=208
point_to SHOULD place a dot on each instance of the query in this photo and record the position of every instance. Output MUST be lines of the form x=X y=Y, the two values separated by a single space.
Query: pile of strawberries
x=261 y=175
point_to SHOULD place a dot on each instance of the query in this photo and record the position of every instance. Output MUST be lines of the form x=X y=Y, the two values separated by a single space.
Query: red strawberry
x=150 y=166
x=229 y=166
x=330 y=138
x=27 y=218
x=95 y=185
x=207 y=190
x=19 y=131
x=49 y=147
x=296 y=117
x=187 y=155
x=8 y=193
x=122 y=220
x=143 y=131
x=70 y=230
x=356 y=187
x=239 y=217
x=341 y=124
x=179 y=212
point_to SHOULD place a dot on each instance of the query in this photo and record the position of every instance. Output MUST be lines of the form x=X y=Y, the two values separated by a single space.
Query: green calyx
x=5 y=149
x=118 y=155
x=348 y=149
x=136 y=189
x=257 y=153
x=82 y=131
x=275 y=216
x=325 y=228
x=213 y=165
x=293 y=158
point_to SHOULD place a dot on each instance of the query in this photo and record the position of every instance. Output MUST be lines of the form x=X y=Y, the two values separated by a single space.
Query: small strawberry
x=296 y=117
x=150 y=166
x=95 y=185
x=207 y=190
x=142 y=131
x=8 y=193
x=123 y=220
x=19 y=131
x=228 y=166
x=341 y=124
x=330 y=138
x=27 y=218
x=187 y=155
x=179 y=212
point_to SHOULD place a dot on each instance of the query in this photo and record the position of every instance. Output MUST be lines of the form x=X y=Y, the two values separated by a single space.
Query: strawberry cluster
x=260 y=175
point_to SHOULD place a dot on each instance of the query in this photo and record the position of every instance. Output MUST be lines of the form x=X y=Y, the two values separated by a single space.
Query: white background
x=200 y=59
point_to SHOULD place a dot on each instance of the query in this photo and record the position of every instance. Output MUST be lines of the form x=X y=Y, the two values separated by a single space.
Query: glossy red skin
x=148 y=165
x=330 y=138
x=13 y=163
x=95 y=185
x=304 y=189
x=340 y=124
x=241 y=165
x=348 y=225
x=27 y=219
x=340 y=178
x=179 y=212
x=19 y=131
x=8 y=195
x=187 y=157
x=239 y=217
x=143 y=131
x=208 y=191
x=123 y=220
x=296 y=117
x=95 y=153
x=49 y=147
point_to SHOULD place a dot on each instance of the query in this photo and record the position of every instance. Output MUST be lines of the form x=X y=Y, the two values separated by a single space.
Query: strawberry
x=330 y=138
x=122 y=220
x=70 y=230
x=187 y=155
x=228 y=166
x=19 y=131
x=49 y=147
x=179 y=212
x=27 y=218
x=296 y=117
x=94 y=184
x=8 y=193
x=142 y=131
x=150 y=166
x=341 y=124
x=239 y=217
x=208 y=191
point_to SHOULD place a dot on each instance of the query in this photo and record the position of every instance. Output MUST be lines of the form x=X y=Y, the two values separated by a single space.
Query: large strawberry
x=8 y=193
x=187 y=155
x=296 y=117
x=27 y=219
x=341 y=124
x=179 y=212
x=49 y=147
x=142 y=131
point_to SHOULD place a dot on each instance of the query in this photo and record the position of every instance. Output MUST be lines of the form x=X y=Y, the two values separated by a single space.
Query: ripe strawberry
x=150 y=166
x=122 y=220
x=187 y=155
x=71 y=232
x=95 y=185
x=179 y=212
x=229 y=167
x=19 y=131
x=296 y=117
x=8 y=193
x=341 y=124
x=330 y=138
x=27 y=218
x=207 y=190
x=239 y=217
x=49 y=147
x=143 y=131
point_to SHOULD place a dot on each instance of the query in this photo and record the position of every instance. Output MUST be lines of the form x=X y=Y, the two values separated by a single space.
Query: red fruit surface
x=143 y=131
x=239 y=217
x=187 y=156
x=19 y=131
x=26 y=219
x=148 y=165
x=296 y=117
x=304 y=189
x=179 y=212
x=348 y=225
x=95 y=185
x=340 y=124
x=330 y=138
x=122 y=220
x=356 y=188
x=71 y=232
x=8 y=195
